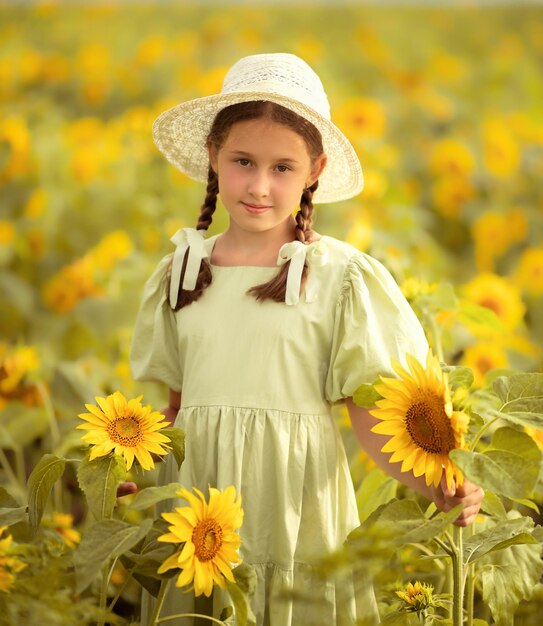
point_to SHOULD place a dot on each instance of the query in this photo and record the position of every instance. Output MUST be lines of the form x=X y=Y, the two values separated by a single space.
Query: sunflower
x=417 y=597
x=9 y=565
x=416 y=412
x=210 y=541
x=125 y=427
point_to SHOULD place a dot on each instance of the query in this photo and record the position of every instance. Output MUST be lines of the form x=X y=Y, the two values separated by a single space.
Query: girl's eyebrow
x=248 y=155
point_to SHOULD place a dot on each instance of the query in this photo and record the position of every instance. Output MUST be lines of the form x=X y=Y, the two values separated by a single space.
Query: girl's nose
x=259 y=184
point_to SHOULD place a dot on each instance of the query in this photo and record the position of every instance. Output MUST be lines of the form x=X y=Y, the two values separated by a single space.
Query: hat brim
x=180 y=133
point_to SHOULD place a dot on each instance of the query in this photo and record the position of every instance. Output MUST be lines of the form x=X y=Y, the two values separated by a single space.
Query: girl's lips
x=255 y=208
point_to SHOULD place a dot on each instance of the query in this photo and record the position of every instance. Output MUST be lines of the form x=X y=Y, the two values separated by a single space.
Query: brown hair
x=275 y=288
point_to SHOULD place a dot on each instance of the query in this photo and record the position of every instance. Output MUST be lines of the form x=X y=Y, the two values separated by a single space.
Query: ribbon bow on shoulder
x=315 y=255
x=192 y=240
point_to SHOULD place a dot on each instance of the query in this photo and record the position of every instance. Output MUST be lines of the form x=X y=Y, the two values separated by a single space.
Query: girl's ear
x=212 y=151
x=317 y=169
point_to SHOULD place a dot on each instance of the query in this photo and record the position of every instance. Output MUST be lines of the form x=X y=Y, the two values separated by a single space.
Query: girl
x=259 y=330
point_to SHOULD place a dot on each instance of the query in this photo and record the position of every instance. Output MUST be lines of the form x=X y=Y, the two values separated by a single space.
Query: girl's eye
x=243 y=162
x=283 y=168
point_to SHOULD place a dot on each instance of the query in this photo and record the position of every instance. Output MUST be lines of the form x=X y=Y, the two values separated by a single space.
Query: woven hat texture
x=180 y=133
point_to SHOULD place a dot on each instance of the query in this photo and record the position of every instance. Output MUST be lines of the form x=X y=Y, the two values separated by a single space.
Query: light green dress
x=258 y=380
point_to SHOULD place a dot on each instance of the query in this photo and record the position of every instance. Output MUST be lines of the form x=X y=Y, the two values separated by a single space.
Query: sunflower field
x=443 y=104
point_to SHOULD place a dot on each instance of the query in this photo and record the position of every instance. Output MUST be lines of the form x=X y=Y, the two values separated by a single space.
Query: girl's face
x=263 y=168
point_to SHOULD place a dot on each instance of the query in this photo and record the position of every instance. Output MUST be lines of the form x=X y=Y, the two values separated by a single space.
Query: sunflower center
x=125 y=430
x=207 y=539
x=428 y=424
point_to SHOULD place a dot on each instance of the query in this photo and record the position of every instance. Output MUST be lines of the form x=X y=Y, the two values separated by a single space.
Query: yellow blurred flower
x=482 y=358
x=499 y=295
x=310 y=48
x=359 y=235
x=445 y=67
x=413 y=287
x=71 y=284
x=492 y=237
x=528 y=275
x=112 y=248
x=450 y=193
x=35 y=205
x=151 y=49
x=210 y=81
x=210 y=541
x=63 y=523
x=501 y=150
x=15 y=141
x=438 y=106
x=7 y=232
x=536 y=434
x=15 y=365
x=93 y=60
x=124 y=427
x=361 y=117
x=9 y=565
x=451 y=156
x=518 y=224
x=36 y=243
x=375 y=184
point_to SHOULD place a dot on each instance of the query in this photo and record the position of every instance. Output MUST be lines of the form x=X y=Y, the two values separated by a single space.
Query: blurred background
x=442 y=102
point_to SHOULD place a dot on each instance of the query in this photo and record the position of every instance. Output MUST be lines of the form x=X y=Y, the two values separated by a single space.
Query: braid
x=204 y=221
x=304 y=217
x=276 y=288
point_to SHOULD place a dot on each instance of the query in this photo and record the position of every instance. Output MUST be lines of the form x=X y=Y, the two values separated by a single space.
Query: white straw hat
x=180 y=133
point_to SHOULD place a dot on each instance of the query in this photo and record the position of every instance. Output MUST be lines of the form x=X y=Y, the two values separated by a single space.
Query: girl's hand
x=470 y=495
x=126 y=488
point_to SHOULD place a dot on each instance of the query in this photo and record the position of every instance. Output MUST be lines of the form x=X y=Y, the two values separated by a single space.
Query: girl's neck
x=239 y=247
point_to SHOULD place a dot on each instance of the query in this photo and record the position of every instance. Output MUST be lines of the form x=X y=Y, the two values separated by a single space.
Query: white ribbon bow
x=315 y=255
x=192 y=240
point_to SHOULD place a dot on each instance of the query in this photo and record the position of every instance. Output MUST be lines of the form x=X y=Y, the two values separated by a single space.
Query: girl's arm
x=174 y=403
x=469 y=495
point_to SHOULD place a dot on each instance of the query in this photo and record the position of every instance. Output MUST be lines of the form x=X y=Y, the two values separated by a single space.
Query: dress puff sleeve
x=373 y=324
x=154 y=351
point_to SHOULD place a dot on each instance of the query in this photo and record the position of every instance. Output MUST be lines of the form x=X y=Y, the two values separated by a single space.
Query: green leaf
x=366 y=396
x=98 y=480
x=407 y=521
x=470 y=313
x=151 y=495
x=10 y=516
x=177 y=443
x=21 y=425
x=507 y=533
x=7 y=500
x=376 y=489
x=509 y=576
x=493 y=505
x=503 y=472
x=520 y=392
x=241 y=592
x=459 y=376
x=103 y=541
x=40 y=482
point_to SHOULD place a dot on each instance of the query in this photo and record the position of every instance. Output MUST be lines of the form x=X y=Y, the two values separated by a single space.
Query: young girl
x=259 y=330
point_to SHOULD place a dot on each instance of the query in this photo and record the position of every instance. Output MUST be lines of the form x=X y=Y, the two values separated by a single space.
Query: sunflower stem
x=103 y=594
x=458 y=578
x=164 y=584
x=436 y=335
x=470 y=585
x=481 y=431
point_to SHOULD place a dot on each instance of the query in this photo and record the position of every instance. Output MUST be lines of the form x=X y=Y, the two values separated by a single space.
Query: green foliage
x=40 y=482
x=366 y=396
x=522 y=398
x=376 y=489
x=152 y=495
x=105 y=540
x=99 y=479
x=177 y=443
x=241 y=593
